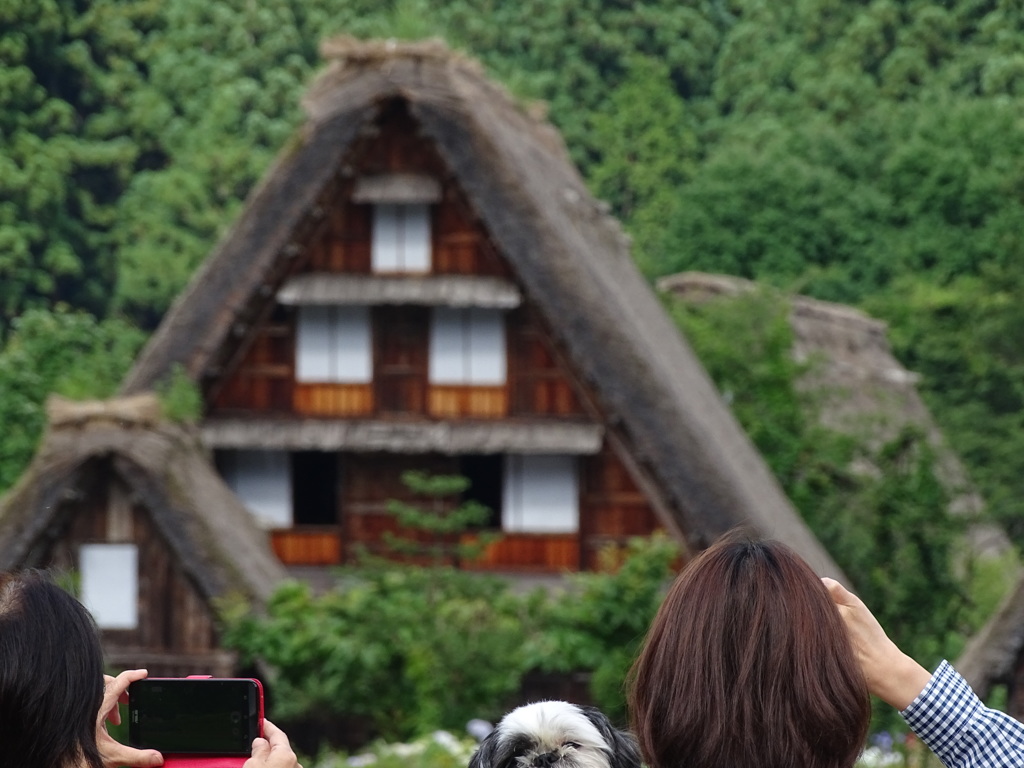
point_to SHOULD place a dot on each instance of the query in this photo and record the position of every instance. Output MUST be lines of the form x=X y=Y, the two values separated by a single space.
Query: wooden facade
x=539 y=384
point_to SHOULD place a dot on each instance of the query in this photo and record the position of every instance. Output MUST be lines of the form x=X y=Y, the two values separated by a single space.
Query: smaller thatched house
x=863 y=389
x=132 y=508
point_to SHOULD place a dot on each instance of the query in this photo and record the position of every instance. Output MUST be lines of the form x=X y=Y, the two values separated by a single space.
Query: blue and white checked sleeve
x=951 y=720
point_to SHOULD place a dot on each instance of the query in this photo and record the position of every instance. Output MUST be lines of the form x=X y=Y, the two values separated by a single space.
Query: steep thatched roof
x=862 y=388
x=570 y=258
x=212 y=535
x=866 y=388
x=991 y=655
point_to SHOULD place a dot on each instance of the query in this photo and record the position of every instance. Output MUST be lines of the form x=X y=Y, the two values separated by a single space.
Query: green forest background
x=862 y=152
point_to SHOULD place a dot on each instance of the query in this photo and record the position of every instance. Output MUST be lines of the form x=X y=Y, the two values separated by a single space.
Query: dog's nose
x=545 y=760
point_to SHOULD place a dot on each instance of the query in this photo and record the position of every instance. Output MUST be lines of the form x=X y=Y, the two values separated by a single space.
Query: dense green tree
x=963 y=339
x=63 y=352
x=67 y=149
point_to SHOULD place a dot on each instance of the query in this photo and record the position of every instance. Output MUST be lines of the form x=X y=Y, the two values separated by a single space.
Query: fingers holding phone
x=272 y=751
x=113 y=752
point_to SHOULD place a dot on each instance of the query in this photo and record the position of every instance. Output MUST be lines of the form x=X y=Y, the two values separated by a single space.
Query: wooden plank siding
x=536 y=386
x=545 y=553
x=537 y=383
x=612 y=509
x=457 y=401
x=176 y=632
x=308 y=545
x=333 y=400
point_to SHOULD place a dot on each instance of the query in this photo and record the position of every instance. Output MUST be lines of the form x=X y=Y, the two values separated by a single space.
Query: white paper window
x=334 y=345
x=401 y=238
x=263 y=481
x=467 y=346
x=540 y=495
x=110 y=584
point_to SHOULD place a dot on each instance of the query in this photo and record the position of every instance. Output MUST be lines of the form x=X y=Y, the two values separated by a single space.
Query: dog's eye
x=572 y=744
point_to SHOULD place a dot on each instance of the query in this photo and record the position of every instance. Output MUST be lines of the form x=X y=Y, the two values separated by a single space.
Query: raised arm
x=892 y=675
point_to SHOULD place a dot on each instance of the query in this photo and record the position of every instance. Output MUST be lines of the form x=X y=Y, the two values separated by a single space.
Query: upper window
x=334 y=345
x=110 y=584
x=401 y=238
x=467 y=346
x=540 y=495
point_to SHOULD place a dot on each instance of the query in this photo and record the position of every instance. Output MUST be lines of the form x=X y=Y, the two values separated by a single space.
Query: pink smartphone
x=194 y=716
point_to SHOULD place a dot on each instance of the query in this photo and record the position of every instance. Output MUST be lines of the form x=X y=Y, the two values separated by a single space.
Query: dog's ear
x=485 y=753
x=625 y=753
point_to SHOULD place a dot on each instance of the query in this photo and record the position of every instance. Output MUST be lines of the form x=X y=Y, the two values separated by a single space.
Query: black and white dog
x=556 y=734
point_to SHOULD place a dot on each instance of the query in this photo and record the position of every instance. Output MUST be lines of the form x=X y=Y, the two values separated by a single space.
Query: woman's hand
x=274 y=751
x=891 y=675
x=114 y=753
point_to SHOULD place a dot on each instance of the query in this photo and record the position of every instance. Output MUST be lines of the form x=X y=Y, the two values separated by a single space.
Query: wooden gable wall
x=176 y=633
x=539 y=384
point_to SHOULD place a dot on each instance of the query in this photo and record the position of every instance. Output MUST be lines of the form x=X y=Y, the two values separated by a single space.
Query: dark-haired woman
x=748 y=665
x=55 y=700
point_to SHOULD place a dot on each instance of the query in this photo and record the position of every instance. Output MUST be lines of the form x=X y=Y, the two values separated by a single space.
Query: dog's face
x=556 y=734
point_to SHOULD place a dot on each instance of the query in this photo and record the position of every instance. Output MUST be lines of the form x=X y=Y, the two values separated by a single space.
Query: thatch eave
x=331 y=289
x=444 y=437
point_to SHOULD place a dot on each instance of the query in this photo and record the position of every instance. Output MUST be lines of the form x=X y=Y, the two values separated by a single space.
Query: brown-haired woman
x=748 y=663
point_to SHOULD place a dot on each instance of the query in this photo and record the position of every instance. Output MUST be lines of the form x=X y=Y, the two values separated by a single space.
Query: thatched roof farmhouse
x=590 y=400
x=132 y=505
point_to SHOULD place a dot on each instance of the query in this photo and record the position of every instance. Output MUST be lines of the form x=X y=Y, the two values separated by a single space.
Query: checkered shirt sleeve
x=951 y=720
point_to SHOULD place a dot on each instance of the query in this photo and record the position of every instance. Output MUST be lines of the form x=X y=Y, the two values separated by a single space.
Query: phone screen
x=202 y=716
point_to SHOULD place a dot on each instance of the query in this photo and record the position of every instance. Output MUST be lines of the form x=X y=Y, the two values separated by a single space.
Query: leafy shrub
x=417 y=649
x=411 y=649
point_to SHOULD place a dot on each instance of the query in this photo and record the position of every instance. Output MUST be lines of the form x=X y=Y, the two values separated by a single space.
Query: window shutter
x=416 y=238
x=401 y=238
x=540 y=495
x=447 y=363
x=334 y=345
x=313 y=344
x=467 y=346
x=262 y=480
x=110 y=584
x=353 y=363
x=486 y=348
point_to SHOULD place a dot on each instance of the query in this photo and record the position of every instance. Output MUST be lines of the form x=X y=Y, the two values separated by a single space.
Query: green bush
x=417 y=649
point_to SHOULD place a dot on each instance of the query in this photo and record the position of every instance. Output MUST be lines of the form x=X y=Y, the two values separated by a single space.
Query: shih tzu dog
x=556 y=734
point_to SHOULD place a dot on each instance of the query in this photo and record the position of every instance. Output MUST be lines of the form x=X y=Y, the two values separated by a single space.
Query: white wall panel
x=386 y=242
x=313 y=344
x=353 y=358
x=263 y=481
x=540 y=494
x=467 y=346
x=416 y=238
x=401 y=238
x=447 y=353
x=334 y=344
x=110 y=584
x=487 y=361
